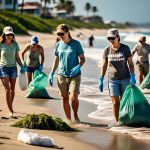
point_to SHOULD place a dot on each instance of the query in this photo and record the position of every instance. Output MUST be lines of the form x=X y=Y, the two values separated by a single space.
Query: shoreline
x=93 y=135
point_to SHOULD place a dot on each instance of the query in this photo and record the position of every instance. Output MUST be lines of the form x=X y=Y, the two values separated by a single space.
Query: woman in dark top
x=117 y=57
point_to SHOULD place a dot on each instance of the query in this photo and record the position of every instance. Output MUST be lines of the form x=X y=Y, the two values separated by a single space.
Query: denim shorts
x=31 y=69
x=10 y=72
x=117 y=87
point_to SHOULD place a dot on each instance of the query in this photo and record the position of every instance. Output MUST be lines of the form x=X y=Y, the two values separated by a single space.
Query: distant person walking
x=33 y=53
x=9 y=55
x=117 y=57
x=91 y=40
x=69 y=58
x=143 y=50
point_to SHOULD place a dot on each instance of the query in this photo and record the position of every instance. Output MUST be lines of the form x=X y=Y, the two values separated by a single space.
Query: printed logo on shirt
x=116 y=57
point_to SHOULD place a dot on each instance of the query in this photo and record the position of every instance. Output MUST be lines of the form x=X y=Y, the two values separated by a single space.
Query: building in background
x=9 y=5
x=33 y=8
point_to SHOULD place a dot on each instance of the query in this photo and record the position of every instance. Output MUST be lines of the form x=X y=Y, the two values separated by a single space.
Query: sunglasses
x=60 y=34
x=111 y=38
x=9 y=34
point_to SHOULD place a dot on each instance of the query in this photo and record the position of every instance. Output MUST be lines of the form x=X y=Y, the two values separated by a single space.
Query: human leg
x=115 y=105
x=74 y=92
x=146 y=69
x=75 y=104
x=12 y=88
x=30 y=71
x=29 y=76
x=66 y=106
x=140 y=70
x=5 y=82
x=114 y=92
x=63 y=87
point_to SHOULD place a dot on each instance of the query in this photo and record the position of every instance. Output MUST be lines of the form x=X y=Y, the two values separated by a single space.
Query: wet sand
x=95 y=135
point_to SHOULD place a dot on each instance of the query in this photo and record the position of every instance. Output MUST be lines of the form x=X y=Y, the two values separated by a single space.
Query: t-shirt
x=33 y=58
x=117 y=62
x=8 y=54
x=68 y=56
x=142 y=52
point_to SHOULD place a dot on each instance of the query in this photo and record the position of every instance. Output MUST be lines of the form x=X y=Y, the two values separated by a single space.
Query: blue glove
x=23 y=69
x=132 y=79
x=100 y=83
x=75 y=71
x=50 y=78
x=40 y=67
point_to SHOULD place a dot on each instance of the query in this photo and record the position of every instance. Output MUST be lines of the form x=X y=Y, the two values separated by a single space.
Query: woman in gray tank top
x=33 y=53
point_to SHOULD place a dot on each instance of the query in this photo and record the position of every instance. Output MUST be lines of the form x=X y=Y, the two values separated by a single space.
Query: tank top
x=33 y=59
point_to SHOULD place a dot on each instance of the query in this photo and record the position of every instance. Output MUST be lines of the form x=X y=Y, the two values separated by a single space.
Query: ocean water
x=91 y=70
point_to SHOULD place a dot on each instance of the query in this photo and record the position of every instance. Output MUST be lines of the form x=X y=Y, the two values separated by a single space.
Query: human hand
x=132 y=79
x=40 y=67
x=100 y=83
x=50 y=78
x=23 y=69
x=75 y=71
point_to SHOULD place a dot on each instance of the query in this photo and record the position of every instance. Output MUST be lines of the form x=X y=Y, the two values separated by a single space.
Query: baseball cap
x=62 y=28
x=142 y=38
x=34 y=40
x=113 y=32
x=8 y=30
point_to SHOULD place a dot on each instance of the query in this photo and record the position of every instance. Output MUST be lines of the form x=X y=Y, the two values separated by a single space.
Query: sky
x=135 y=11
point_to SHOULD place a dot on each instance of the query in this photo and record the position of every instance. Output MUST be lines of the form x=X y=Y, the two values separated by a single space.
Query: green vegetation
x=43 y=122
x=22 y=22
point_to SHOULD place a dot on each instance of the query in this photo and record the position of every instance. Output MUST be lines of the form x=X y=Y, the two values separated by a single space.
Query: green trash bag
x=134 y=108
x=36 y=88
x=146 y=82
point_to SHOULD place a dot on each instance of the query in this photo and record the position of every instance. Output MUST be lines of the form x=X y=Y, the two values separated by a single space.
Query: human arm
x=23 y=69
x=42 y=55
x=24 y=51
x=76 y=69
x=42 y=58
x=102 y=74
x=133 y=51
x=18 y=59
x=82 y=59
x=104 y=68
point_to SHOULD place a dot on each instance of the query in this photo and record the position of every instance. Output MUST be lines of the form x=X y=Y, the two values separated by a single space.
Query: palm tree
x=61 y=4
x=70 y=8
x=94 y=10
x=66 y=5
x=22 y=4
x=87 y=8
x=45 y=5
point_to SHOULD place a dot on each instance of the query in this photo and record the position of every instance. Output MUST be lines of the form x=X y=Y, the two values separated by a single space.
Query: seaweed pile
x=43 y=122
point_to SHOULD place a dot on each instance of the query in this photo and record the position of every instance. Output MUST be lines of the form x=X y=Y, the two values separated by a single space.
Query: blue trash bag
x=134 y=108
x=36 y=88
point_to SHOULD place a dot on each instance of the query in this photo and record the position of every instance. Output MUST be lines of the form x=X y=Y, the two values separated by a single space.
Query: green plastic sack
x=36 y=88
x=134 y=108
x=146 y=82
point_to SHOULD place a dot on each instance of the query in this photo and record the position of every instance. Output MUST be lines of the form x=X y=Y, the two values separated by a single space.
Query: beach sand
x=24 y=106
x=94 y=136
